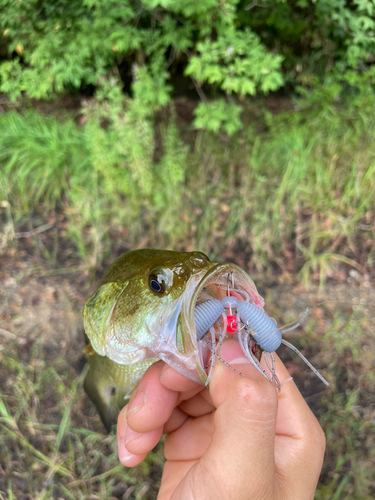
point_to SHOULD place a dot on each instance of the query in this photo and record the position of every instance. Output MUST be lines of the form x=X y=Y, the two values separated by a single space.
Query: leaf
x=218 y=115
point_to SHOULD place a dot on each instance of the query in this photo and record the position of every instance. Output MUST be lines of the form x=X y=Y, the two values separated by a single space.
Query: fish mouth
x=219 y=281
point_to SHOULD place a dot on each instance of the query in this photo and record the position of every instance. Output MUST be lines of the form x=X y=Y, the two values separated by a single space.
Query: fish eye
x=156 y=284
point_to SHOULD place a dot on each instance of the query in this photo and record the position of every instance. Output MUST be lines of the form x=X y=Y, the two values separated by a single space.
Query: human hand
x=239 y=439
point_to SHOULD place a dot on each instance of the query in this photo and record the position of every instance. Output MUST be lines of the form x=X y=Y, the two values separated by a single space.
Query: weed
x=293 y=195
x=43 y=439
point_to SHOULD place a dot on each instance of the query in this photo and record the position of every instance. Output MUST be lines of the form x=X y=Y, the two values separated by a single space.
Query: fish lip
x=189 y=304
x=219 y=270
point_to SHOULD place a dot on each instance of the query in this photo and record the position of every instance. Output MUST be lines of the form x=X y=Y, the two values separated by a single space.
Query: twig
x=57 y=272
x=33 y=232
x=6 y=334
x=255 y=4
x=199 y=91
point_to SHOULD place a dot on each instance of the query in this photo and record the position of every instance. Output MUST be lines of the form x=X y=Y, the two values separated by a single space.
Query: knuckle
x=259 y=398
x=257 y=389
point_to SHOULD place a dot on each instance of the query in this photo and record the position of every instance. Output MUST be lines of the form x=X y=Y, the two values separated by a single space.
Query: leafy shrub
x=234 y=47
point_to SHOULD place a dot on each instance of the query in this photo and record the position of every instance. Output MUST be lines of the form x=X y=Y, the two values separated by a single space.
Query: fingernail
x=125 y=456
x=138 y=402
x=130 y=435
x=239 y=361
x=232 y=353
x=165 y=371
x=166 y=374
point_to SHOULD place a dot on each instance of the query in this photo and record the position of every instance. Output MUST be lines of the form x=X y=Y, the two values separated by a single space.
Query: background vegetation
x=133 y=156
x=245 y=130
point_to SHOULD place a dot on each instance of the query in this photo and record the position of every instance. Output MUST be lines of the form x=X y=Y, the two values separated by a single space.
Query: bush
x=229 y=48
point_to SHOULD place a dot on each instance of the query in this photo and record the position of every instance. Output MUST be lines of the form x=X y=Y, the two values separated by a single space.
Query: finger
x=191 y=440
x=151 y=404
x=134 y=442
x=196 y=406
x=294 y=417
x=300 y=441
x=126 y=458
x=174 y=381
x=207 y=396
x=175 y=421
x=242 y=446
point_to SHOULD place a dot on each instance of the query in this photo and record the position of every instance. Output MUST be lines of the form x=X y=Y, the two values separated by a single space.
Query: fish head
x=144 y=307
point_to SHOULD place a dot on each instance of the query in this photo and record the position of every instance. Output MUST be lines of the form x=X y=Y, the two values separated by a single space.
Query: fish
x=143 y=311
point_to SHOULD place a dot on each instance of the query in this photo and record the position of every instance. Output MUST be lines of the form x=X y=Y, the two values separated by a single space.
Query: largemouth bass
x=144 y=310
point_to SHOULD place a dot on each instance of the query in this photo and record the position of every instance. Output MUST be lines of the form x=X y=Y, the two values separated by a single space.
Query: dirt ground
x=52 y=444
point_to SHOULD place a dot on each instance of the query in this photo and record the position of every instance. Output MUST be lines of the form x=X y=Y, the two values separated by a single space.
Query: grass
x=293 y=191
x=46 y=448
x=52 y=443
x=338 y=339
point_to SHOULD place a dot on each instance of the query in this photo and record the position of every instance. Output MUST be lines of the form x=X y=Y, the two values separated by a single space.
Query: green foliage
x=298 y=190
x=122 y=148
x=40 y=157
x=218 y=115
x=228 y=46
x=320 y=39
x=129 y=161
x=236 y=61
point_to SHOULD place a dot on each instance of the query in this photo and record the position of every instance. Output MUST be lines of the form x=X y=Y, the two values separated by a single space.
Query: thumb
x=242 y=447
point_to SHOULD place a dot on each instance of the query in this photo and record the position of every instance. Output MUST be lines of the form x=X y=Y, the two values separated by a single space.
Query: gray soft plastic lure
x=250 y=323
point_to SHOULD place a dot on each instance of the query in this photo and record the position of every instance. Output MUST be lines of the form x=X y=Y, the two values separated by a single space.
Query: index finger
x=156 y=396
x=151 y=404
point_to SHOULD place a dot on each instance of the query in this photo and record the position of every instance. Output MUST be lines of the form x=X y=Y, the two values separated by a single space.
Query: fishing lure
x=249 y=323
